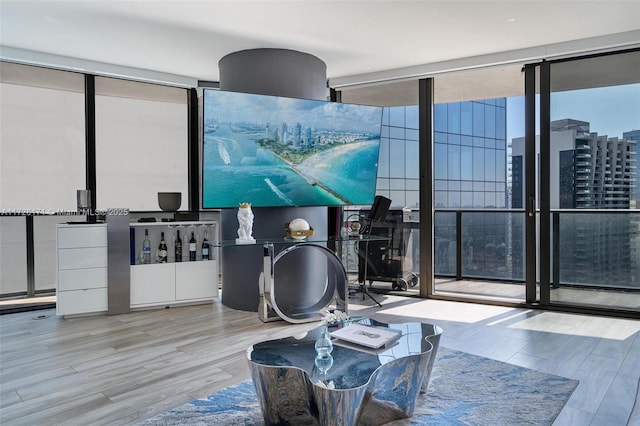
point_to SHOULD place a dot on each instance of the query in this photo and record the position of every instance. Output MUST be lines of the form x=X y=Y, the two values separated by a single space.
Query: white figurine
x=245 y=220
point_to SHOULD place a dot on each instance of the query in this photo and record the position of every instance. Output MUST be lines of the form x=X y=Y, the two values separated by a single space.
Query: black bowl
x=169 y=201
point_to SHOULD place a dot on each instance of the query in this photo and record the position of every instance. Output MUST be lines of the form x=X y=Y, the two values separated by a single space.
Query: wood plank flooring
x=116 y=370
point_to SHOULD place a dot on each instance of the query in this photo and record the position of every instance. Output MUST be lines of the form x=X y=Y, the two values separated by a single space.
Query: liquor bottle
x=162 y=249
x=192 y=247
x=146 y=248
x=205 y=246
x=178 y=247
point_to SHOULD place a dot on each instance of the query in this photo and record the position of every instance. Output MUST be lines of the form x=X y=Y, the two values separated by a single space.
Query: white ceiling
x=358 y=40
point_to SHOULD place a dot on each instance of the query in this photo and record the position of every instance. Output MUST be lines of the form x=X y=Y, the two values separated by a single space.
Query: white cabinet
x=153 y=284
x=196 y=280
x=81 y=277
x=164 y=284
x=170 y=283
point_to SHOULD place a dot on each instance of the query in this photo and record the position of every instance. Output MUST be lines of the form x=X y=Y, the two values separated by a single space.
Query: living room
x=126 y=94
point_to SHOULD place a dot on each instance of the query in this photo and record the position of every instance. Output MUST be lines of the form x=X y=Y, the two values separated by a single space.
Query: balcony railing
x=590 y=246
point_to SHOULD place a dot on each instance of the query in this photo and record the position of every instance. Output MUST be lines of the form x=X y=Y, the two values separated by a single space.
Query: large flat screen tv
x=274 y=151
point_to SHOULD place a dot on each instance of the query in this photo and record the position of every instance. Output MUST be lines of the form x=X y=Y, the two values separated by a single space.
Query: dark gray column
x=275 y=72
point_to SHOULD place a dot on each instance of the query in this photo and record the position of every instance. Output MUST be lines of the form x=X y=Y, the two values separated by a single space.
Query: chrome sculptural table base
x=299 y=283
x=361 y=386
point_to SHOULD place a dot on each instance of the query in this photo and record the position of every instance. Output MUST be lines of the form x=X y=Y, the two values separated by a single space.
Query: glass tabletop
x=350 y=365
x=290 y=240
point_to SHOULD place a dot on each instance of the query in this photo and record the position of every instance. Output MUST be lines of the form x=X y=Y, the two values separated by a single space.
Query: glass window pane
x=396 y=132
x=478 y=119
x=440 y=117
x=490 y=165
x=595 y=122
x=396 y=158
x=466 y=118
x=453 y=114
x=412 y=160
x=440 y=185
x=489 y=199
x=453 y=162
x=42 y=138
x=412 y=117
x=386 y=112
x=440 y=165
x=478 y=164
x=501 y=163
x=490 y=121
x=454 y=199
x=501 y=126
x=466 y=163
x=141 y=143
x=396 y=116
x=466 y=199
x=440 y=137
x=383 y=158
x=441 y=199
x=412 y=135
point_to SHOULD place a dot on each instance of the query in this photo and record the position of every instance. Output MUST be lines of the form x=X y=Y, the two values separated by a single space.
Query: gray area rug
x=465 y=389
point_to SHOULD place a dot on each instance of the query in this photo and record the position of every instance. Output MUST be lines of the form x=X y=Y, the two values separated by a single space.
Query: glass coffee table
x=353 y=384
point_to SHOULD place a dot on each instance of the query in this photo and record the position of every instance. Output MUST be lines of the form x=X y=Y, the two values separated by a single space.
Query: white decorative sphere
x=299 y=224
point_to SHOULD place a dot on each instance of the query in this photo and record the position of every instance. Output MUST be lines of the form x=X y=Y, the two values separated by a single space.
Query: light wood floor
x=116 y=370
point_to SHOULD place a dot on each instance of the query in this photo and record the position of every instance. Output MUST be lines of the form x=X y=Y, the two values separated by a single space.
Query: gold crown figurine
x=245 y=205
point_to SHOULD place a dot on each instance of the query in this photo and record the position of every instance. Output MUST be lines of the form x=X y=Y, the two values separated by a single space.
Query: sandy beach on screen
x=327 y=157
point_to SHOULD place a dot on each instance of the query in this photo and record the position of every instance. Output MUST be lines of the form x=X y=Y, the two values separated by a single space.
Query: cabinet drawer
x=78 y=279
x=82 y=236
x=81 y=301
x=80 y=258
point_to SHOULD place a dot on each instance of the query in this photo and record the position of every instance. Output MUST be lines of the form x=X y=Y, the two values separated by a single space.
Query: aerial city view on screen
x=273 y=151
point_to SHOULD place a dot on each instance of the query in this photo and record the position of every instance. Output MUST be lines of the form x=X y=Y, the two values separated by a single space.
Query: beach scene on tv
x=274 y=151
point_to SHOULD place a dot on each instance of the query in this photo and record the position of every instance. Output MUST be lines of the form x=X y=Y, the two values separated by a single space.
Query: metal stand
x=363 y=285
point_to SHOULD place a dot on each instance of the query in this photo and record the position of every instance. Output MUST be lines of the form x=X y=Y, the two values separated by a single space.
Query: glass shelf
x=288 y=240
x=173 y=224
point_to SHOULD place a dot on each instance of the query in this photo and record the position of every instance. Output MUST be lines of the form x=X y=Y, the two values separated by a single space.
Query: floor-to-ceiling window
x=141 y=143
x=593 y=193
x=479 y=246
x=42 y=165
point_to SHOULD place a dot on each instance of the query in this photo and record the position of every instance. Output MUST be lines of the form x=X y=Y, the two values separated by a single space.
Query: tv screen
x=273 y=151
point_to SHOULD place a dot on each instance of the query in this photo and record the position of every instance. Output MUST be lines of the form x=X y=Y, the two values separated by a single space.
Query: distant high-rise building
x=588 y=171
x=592 y=171
x=634 y=135
x=308 y=137
x=297 y=135
x=283 y=134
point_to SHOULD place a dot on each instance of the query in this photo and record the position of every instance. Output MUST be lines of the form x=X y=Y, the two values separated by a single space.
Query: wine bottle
x=162 y=249
x=205 y=246
x=192 y=247
x=178 y=247
x=146 y=248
